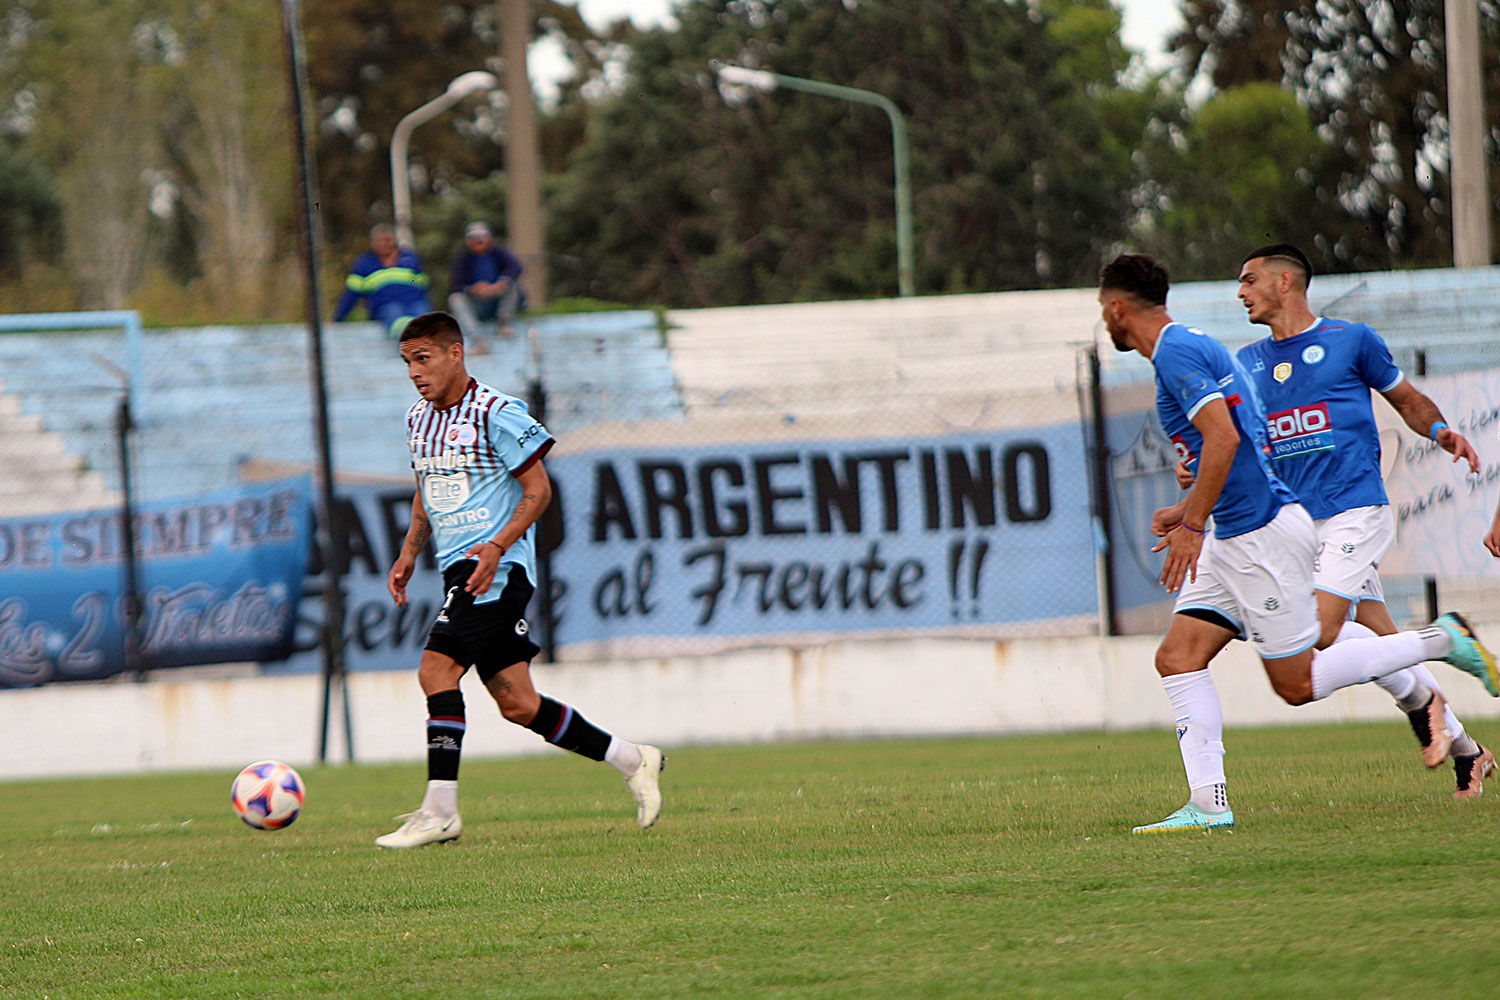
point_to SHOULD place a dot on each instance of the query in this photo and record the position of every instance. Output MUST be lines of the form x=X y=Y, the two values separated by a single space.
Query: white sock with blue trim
x=1200 y=737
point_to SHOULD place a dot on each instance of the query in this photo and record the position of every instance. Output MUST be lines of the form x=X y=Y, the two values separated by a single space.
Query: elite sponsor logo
x=1300 y=430
x=445 y=494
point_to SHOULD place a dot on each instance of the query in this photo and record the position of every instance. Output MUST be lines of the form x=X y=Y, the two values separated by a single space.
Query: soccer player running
x=481 y=486
x=1254 y=569
x=1315 y=376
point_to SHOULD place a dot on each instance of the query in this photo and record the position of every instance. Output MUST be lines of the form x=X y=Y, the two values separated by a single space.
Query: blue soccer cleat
x=1468 y=653
x=1190 y=817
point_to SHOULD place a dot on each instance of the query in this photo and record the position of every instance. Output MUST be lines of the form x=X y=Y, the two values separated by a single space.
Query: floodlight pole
x=461 y=87
x=766 y=81
x=335 y=674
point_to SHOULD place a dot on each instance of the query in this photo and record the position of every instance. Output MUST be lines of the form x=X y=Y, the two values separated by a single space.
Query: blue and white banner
x=967 y=532
x=219 y=577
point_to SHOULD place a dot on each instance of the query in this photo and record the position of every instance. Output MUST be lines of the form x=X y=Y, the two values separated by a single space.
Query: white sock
x=1402 y=685
x=1200 y=737
x=623 y=755
x=441 y=798
x=1359 y=655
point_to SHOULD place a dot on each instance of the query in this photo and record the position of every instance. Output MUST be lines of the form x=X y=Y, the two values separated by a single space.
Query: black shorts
x=489 y=637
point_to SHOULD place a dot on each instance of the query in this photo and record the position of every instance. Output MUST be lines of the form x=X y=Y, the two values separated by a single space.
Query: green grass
x=953 y=868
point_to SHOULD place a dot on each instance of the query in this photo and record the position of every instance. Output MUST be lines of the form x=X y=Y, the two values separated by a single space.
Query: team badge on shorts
x=1282 y=372
x=521 y=627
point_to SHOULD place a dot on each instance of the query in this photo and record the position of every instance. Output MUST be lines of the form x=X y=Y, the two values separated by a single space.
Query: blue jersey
x=467 y=457
x=1316 y=388
x=1192 y=370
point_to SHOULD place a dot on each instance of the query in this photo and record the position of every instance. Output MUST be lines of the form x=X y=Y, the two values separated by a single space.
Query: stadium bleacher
x=216 y=397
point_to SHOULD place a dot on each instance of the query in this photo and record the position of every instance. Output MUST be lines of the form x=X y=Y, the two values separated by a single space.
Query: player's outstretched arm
x=536 y=494
x=417 y=534
x=1422 y=415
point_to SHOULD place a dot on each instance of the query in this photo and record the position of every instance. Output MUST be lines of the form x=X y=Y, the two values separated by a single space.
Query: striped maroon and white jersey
x=466 y=457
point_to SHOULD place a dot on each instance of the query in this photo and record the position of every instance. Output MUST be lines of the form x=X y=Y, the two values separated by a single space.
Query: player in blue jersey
x=1254 y=567
x=481 y=486
x=1315 y=376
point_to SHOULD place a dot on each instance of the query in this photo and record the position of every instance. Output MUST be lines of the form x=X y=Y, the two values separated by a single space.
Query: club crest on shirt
x=1282 y=372
x=1313 y=354
x=461 y=434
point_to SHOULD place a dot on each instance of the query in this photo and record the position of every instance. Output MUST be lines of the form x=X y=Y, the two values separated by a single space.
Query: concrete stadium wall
x=915 y=687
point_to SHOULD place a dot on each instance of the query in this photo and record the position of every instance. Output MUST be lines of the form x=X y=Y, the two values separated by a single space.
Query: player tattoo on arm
x=421 y=528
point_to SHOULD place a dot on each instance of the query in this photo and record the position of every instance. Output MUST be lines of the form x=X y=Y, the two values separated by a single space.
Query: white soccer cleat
x=423 y=827
x=645 y=785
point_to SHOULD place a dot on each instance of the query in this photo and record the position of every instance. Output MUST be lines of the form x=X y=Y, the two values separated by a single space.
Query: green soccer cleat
x=1190 y=817
x=1468 y=653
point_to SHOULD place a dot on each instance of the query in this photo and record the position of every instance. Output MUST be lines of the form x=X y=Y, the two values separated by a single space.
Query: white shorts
x=1261 y=582
x=1350 y=546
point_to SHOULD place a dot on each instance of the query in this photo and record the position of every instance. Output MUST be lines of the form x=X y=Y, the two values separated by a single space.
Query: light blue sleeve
x=517 y=436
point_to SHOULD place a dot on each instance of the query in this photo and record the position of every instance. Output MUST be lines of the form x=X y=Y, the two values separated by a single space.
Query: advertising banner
x=219 y=577
x=973 y=532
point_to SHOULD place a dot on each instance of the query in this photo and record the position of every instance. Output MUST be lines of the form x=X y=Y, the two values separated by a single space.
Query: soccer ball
x=267 y=795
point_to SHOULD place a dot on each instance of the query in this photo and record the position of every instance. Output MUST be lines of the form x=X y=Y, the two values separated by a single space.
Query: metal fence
x=737 y=480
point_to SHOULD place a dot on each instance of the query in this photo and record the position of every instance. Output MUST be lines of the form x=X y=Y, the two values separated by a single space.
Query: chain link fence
x=727 y=478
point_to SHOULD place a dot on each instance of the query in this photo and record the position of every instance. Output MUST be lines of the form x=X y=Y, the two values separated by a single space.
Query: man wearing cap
x=485 y=287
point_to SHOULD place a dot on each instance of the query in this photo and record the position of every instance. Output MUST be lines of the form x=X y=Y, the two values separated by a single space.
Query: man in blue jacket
x=389 y=279
x=486 y=285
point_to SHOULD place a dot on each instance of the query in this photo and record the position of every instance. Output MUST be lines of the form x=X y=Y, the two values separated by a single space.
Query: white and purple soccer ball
x=267 y=795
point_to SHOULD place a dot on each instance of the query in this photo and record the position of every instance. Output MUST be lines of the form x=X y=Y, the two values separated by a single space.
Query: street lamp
x=766 y=81
x=461 y=87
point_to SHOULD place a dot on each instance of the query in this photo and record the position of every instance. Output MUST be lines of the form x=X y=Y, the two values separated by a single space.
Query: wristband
x=1200 y=531
x=1437 y=425
x=491 y=541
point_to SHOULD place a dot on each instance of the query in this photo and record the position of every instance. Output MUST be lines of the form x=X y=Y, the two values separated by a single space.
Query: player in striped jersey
x=481 y=486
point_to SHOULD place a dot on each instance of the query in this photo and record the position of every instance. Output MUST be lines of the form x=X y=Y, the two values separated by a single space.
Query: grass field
x=953 y=868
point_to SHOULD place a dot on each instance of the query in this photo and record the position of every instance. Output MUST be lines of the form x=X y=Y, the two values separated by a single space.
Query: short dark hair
x=1289 y=256
x=440 y=327
x=1139 y=275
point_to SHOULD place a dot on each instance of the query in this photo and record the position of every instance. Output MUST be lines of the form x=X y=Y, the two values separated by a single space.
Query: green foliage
x=700 y=195
x=1240 y=173
x=1373 y=78
x=833 y=871
x=30 y=213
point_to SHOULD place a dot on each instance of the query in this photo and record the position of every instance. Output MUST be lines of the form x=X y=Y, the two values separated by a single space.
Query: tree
x=1240 y=173
x=1372 y=76
x=1021 y=157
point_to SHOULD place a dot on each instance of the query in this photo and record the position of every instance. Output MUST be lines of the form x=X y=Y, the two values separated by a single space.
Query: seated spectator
x=486 y=286
x=389 y=279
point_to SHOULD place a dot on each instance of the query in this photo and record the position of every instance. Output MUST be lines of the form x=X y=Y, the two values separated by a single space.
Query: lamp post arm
x=400 y=145
x=901 y=147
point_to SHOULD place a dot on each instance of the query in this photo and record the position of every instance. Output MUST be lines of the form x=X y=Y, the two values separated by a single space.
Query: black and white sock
x=561 y=726
x=445 y=741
